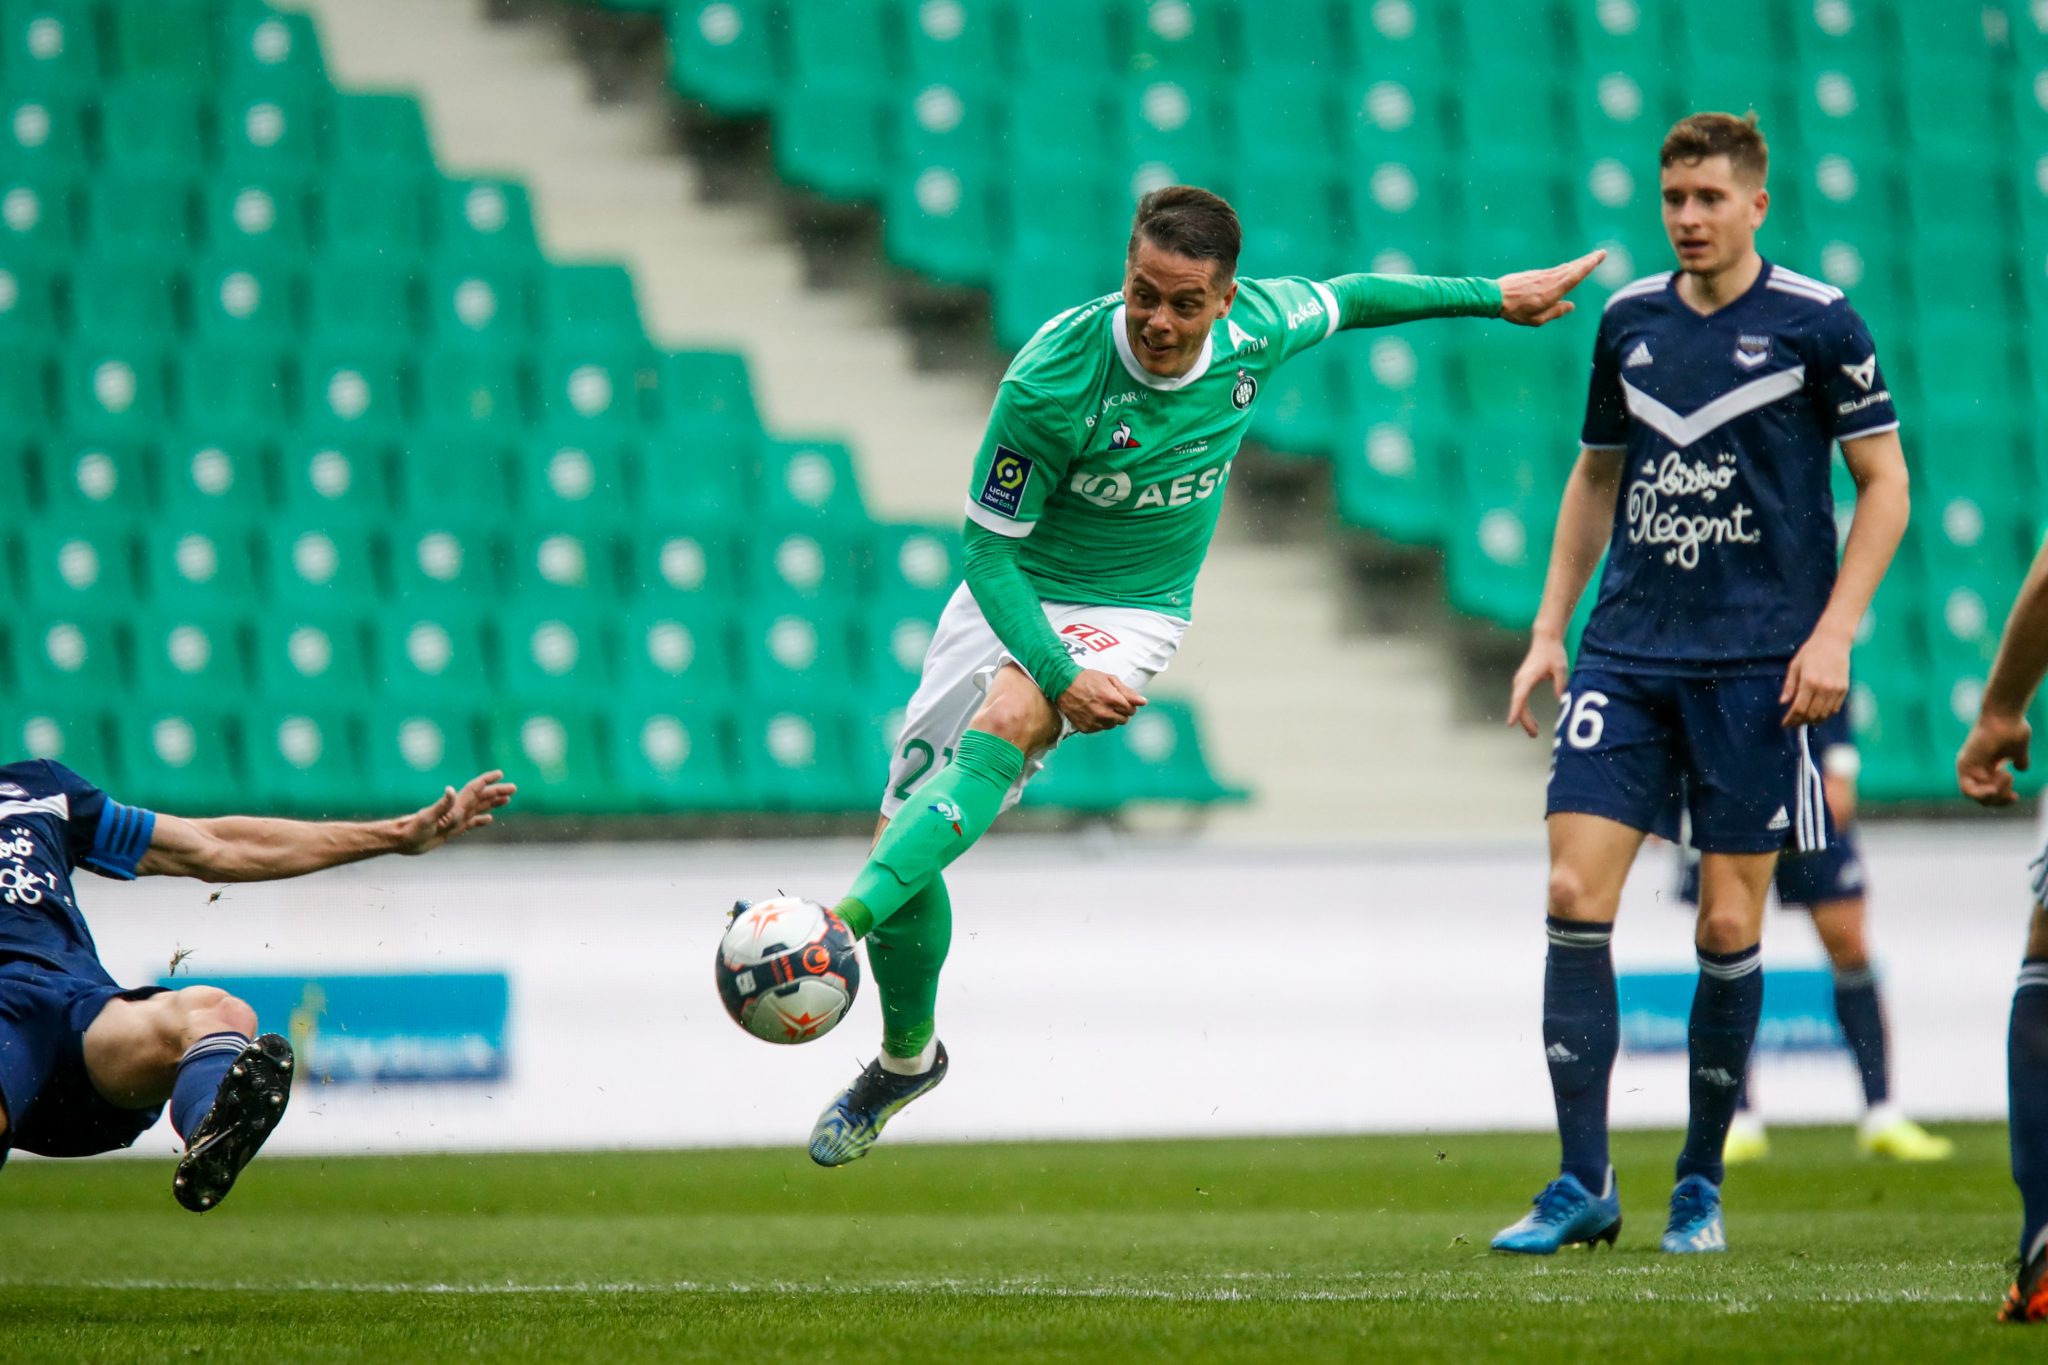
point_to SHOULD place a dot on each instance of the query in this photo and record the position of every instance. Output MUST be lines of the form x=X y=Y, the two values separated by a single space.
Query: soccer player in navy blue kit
x=2000 y=737
x=86 y=1066
x=1720 y=633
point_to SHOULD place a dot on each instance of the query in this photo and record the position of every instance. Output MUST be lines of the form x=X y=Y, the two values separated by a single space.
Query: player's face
x=1170 y=303
x=1711 y=214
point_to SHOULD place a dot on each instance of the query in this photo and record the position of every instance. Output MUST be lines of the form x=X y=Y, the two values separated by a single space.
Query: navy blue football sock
x=200 y=1072
x=1862 y=1019
x=1742 y=1104
x=1581 y=1034
x=2026 y=1062
x=1725 y=1008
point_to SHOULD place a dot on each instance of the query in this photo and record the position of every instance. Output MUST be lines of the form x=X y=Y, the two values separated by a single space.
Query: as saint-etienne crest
x=1244 y=391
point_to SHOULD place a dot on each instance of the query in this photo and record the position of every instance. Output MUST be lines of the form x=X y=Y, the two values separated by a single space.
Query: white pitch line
x=1518 y=1291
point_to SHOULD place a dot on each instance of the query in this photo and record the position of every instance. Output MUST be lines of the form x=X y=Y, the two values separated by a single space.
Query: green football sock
x=905 y=956
x=949 y=811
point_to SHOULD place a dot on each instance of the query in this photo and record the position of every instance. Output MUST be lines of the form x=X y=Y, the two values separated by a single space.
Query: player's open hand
x=457 y=812
x=1817 y=682
x=1098 y=701
x=1545 y=660
x=1994 y=741
x=1530 y=298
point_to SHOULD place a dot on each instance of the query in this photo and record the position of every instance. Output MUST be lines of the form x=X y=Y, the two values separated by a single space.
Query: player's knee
x=1021 y=720
x=1725 y=931
x=1570 y=898
x=209 y=1009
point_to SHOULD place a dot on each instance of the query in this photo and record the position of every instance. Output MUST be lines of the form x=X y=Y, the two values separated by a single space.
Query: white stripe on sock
x=1731 y=971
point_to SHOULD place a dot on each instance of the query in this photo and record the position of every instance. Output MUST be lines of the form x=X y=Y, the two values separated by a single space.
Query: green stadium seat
x=168 y=40
x=1620 y=35
x=25 y=406
x=1042 y=280
x=899 y=635
x=46 y=133
x=673 y=758
x=430 y=655
x=554 y=752
x=377 y=130
x=376 y=214
x=305 y=759
x=465 y=387
x=368 y=300
x=233 y=386
x=28 y=301
x=1849 y=104
x=315 y=657
x=261 y=212
x=594 y=386
x=266 y=48
x=146 y=212
x=484 y=304
x=202 y=478
x=1404 y=207
x=189 y=658
x=154 y=126
x=1082 y=775
x=799 y=759
x=128 y=298
x=413 y=751
x=68 y=657
x=700 y=385
x=1052 y=38
x=243 y=296
x=1172 y=132
x=1511 y=35
x=1304 y=407
x=555 y=564
x=723 y=53
x=1284 y=38
x=1828 y=32
x=1391 y=118
x=939 y=219
x=667 y=565
x=560 y=655
x=954 y=40
x=355 y=390
x=789 y=653
x=587 y=484
x=1505 y=505
x=588 y=302
x=1403 y=39
x=38 y=216
x=1167 y=37
x=484 y=221
x=190 y=567
x=182 y=760
x=111 y=389
x=1892 y=730
x=50 y=45
x=337 y=482
x=72 y=736
x=92 y=483
x=829 y=135
x=443 y=559
x=268 y=132
x=805 y=568
x=678 y=651
x=1161 y=756
x=1391 y=477
x=314 y=563
x=809 y=481
x=1399 y=375
x=1290 y=223
x=440 y=470
x=922 y=563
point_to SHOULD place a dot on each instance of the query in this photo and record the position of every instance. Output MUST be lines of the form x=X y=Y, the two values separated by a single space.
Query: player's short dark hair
x=1193 y=223
x=1699 y=136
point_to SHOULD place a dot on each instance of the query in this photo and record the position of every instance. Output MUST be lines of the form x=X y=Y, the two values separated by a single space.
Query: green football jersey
x=1114 y=476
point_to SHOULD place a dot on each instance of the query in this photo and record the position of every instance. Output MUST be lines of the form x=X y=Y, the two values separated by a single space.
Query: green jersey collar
x=1121 y=335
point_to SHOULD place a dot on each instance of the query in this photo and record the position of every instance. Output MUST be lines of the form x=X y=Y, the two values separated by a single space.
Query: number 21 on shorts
x=1580 y=722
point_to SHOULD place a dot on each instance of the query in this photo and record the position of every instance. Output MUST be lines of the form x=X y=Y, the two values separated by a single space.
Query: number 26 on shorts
x=1579 y=721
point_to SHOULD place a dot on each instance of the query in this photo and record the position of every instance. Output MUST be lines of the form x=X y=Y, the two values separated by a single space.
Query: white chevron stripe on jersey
x=1737 y=402
x=58 y=805
x=1779 y=272
x=1635 y=289
x=1800 y=291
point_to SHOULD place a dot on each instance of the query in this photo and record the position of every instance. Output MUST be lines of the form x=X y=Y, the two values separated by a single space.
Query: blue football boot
x=1566 y=1212
x=1695 y=1218
x=852 y=1122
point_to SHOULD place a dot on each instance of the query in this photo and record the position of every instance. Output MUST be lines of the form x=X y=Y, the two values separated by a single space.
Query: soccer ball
x=786 y=969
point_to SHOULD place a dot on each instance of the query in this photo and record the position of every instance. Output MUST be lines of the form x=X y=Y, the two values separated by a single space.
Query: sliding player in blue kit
x=86 y=1066
x=1721 y=632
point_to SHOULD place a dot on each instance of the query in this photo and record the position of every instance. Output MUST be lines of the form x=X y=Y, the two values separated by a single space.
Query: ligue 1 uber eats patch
x=1003 y=490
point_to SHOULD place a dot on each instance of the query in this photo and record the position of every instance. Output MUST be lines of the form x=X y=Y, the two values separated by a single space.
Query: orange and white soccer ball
x=787 y=970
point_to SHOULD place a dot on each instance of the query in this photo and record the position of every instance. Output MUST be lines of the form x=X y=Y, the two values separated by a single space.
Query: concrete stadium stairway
x=1344 y=733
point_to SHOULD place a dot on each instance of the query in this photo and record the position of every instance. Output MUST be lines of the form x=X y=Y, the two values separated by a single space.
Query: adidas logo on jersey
x=1780 y=821
x=1639 y=357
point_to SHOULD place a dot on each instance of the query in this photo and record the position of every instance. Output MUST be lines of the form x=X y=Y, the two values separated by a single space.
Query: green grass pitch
x=1279 y=1249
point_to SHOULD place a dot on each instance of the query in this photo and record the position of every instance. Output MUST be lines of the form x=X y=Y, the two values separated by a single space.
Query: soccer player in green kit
x=1091 y=507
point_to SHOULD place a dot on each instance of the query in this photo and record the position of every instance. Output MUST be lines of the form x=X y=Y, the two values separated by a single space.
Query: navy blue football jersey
x=51 y=822
x=1723 y=553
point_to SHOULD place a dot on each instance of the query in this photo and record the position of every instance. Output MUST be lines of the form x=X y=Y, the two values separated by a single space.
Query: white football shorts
x=1130 y=643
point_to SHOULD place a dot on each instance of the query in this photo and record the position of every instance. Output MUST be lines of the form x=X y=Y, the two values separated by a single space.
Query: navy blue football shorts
x=52 y=1107
x=1644 y=750
x=1803 y=880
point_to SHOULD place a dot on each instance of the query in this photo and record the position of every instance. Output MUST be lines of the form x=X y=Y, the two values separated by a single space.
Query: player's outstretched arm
x=1530 y=298
x=248 y=848
x=1583 y=519
x=1817 y=680
x=2001 y=734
